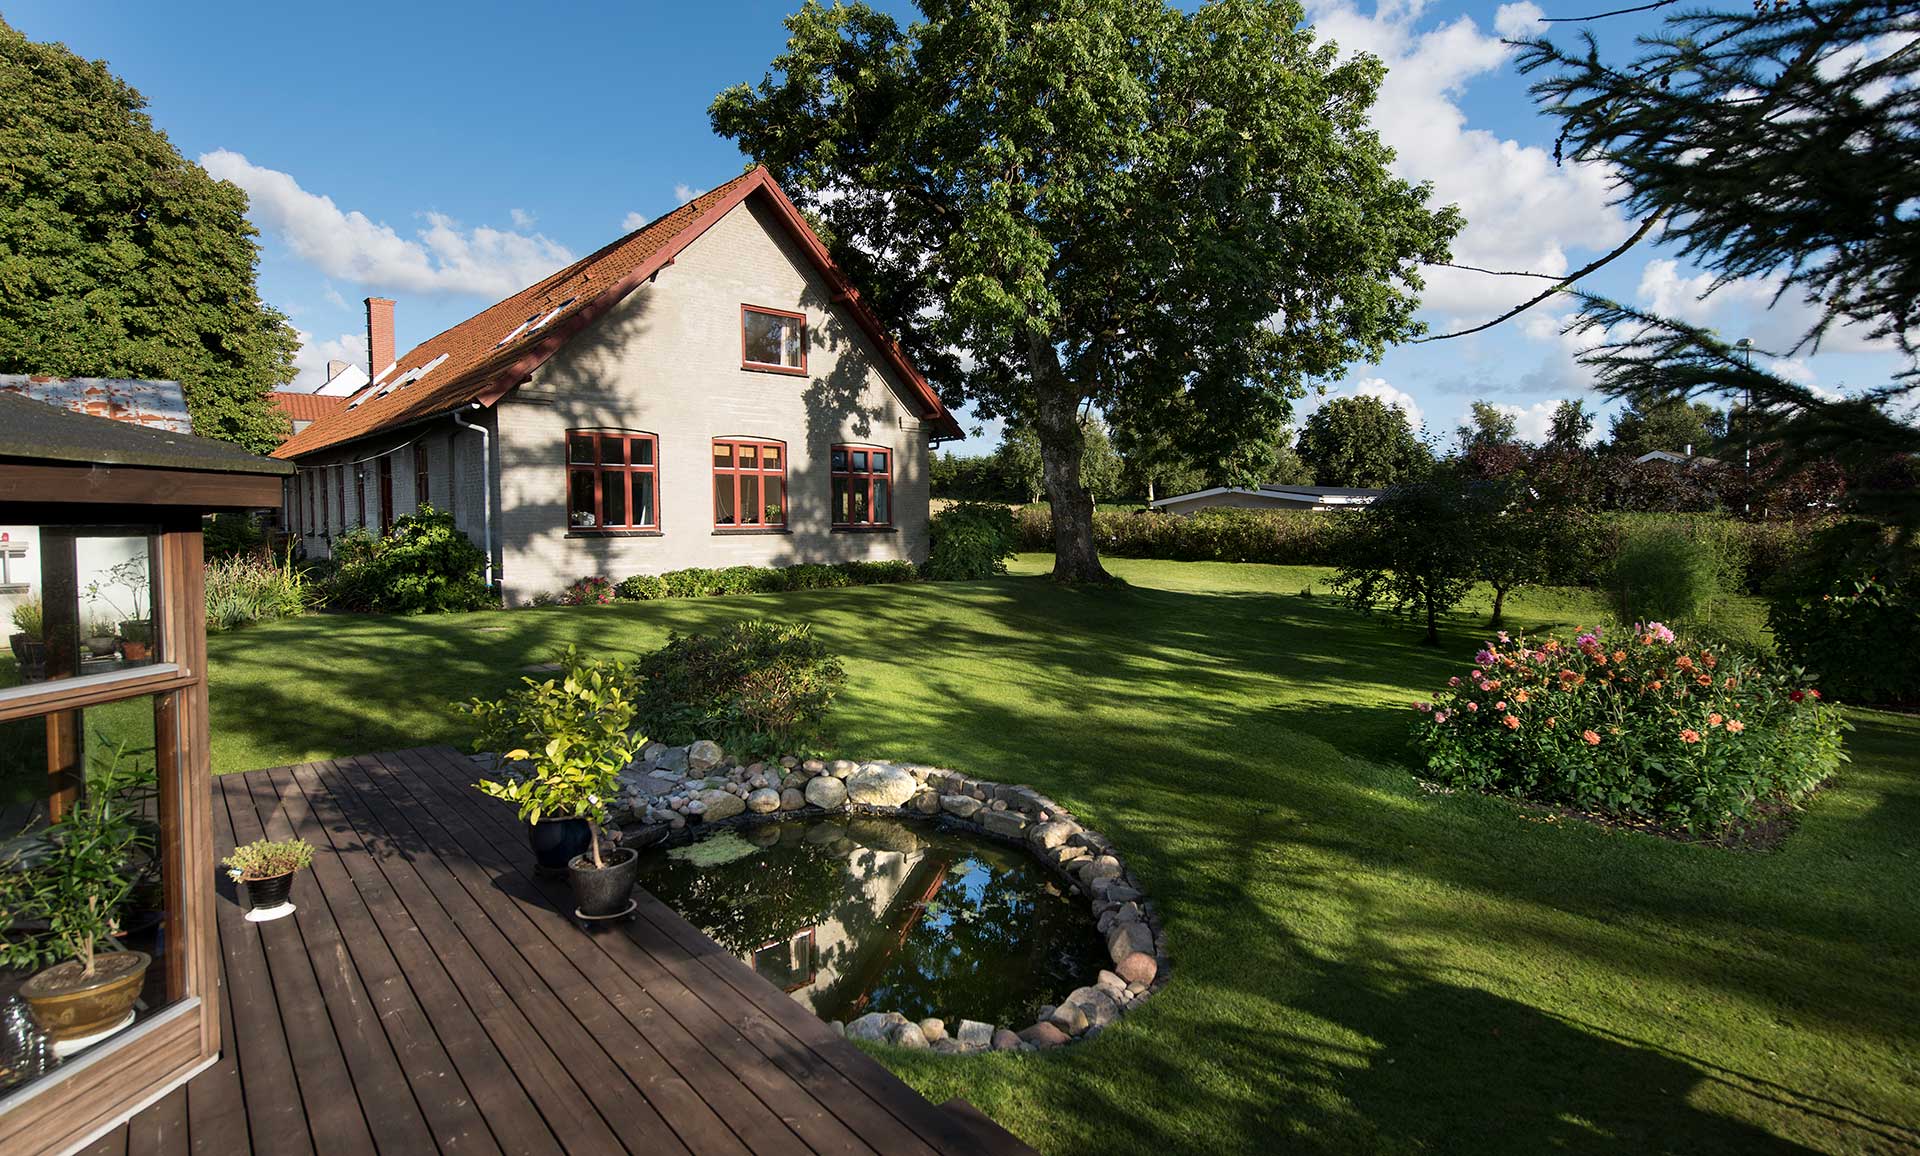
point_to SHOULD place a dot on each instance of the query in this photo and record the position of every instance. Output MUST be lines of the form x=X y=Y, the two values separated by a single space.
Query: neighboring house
x=303 y=409
x=1669 y=458
x=1267 y=497
x=706 y=391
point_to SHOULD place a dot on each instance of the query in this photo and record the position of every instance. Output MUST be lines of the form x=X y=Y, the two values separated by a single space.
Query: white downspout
x=486 y=487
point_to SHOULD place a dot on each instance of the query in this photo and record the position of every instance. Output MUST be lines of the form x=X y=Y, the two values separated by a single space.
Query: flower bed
x=1636 y=724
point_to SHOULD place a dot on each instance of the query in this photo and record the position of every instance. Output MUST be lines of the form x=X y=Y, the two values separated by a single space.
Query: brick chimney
x=379 y=334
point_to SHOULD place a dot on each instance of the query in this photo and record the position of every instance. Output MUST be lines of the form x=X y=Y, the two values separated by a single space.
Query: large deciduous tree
x=121 y=258
x=1112 y=201
x=1778 y=145
x=1362 y=441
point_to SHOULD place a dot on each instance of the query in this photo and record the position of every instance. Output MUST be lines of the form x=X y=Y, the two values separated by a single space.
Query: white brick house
x=706 y=391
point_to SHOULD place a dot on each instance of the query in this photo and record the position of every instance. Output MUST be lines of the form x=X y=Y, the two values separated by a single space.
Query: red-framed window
x=340 y=487
x=613 y=480
x=773 y=340
x=360 y=495
x=420 y=493
x=862 y=486
x=386 y=492
x=749 y=482
x=306 y=506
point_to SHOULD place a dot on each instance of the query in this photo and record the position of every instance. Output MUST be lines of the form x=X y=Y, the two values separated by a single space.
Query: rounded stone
x=1044 y=1035
x=927 y=802
x=908 y=1035
x=704 y=755
x=841 y=768
x=874 y=1026
x=1050 y=835
x=1137 y=967
x=1004 y=1040
x=763 y=800
x=721 y=805
x=880 y=785
x=792 y=799
x=934 y=1028
x=827 y=793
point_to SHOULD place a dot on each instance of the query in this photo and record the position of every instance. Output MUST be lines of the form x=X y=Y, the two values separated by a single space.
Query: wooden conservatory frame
x=59 y=469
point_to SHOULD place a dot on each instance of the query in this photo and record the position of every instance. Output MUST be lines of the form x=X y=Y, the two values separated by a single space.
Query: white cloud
x=1371 y=387
x=522 y=219
x=684 y=193
x=442 y=258
x=1531 y=422
x=633 y=220
x=1523 y=212
x=334 y=298
x=310 y=364
x=1744 y=308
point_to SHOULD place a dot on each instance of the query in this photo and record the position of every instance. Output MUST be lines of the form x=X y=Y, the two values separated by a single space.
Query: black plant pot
x=556 y=841
x=265 y=894
x=603 y=892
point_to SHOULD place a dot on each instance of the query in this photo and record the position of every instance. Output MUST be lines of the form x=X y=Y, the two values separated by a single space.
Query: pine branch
x=1559 y=286
x=1604 y=15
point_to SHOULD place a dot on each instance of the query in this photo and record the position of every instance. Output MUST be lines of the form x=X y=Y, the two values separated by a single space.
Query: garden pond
x=851 y=915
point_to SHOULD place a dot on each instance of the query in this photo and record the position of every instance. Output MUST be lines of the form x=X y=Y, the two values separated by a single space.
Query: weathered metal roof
x=154 y=404
x=36 y=430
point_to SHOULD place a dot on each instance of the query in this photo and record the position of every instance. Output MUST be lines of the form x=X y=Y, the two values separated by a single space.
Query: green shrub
x=879 y=573
x=641 y=588
x=747 y=580
x=971 y=540
x=693 y=582
x=1639 y=724
x=1674 y=571
x=1277 y=537
x=1850 y=613
x=243 y=588
x=423 y=565
x=756 y=687
x=814 y=576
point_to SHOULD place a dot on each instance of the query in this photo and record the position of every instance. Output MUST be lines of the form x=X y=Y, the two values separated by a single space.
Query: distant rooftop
x=34 y=429
x=153 y=404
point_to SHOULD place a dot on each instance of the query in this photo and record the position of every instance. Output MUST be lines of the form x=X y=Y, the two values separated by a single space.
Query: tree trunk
x=1433 y=624
x=1499 y=603
x=1058 y=423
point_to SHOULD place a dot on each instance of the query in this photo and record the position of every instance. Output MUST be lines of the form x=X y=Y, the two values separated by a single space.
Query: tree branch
x=1646 y=227
x=1604 y=15
x=1496 y=272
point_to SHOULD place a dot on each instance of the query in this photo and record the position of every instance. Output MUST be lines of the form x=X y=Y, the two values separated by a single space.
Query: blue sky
x=447 y=154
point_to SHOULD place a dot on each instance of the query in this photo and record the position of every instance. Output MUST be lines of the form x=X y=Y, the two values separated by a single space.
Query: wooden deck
x=429 y=995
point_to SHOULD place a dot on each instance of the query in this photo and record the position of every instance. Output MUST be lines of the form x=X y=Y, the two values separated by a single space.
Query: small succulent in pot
x=266 y=867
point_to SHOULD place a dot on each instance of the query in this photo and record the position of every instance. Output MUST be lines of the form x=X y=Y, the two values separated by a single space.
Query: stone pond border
x=675 y=794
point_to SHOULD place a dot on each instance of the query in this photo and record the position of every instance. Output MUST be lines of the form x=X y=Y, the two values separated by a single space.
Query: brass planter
x=67 y=1005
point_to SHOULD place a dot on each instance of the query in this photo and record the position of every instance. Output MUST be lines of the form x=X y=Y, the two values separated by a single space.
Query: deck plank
x=431 y=993
x=510 y=1114
x=569 y=1091
x=884 y=1111
x=729 y=1073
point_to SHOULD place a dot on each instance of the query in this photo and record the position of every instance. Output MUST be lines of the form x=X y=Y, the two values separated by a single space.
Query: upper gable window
x=773 y=340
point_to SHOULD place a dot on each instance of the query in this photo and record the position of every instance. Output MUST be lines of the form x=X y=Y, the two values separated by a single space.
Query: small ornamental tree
x=1524 y=535
x=574 y=730
x=1413 y=550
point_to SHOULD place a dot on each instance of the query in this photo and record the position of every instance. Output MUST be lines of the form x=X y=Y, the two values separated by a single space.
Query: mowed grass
x=1360 y=966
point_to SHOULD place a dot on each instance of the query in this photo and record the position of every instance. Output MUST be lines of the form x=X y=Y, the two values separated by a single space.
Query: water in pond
x=859 y=915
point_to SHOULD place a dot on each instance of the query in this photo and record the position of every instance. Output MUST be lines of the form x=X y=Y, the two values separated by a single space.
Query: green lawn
x=1360 y=966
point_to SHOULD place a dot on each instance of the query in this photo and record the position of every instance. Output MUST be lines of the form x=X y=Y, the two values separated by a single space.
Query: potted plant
x=71 y=895
x=101 y=640
x=28 y=639
x=572 y=733
x=136 y=629
x=266 y=868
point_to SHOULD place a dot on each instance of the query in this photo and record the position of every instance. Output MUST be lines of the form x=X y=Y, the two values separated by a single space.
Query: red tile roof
x=480 y=367
x=307 y=406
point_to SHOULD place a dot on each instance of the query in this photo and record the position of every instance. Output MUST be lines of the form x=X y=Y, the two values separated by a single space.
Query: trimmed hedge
x=1307 y=538
x=698 y=582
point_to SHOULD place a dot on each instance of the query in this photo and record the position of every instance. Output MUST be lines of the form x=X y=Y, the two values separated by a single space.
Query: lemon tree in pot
x=571 y=735
x=266 y=867
x=65 y=906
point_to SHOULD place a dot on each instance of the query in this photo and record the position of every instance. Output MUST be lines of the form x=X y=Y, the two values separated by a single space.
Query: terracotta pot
x=67 y=1005
x=602 y=891
x=134 y=651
